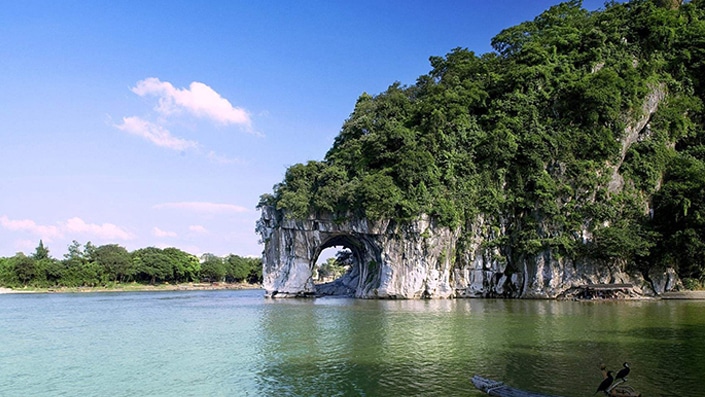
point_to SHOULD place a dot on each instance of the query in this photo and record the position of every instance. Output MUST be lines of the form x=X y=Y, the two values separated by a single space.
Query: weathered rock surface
x=420 y=260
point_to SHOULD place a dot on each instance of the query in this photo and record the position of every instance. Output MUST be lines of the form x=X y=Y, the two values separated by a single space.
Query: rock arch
x=414 y=260
x=292 y=248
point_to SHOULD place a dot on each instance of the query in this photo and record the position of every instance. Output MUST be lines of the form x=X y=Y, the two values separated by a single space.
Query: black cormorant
x=622 y=374
x=605 y=383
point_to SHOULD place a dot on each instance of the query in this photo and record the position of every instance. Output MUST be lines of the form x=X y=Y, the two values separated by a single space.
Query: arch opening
x=336 y=266
x=333 y=263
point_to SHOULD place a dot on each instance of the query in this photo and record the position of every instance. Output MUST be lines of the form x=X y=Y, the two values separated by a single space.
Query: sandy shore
x=133 y=287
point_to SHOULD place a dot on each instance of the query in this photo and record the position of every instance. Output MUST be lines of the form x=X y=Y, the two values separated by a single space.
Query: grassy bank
x=136 y=287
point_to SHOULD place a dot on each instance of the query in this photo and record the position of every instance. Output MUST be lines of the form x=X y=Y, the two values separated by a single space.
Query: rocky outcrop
x=421 y=259
x=390 y=260
x=636 y=131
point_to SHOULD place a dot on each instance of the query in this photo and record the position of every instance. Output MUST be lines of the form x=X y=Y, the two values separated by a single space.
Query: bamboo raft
x=499 y=389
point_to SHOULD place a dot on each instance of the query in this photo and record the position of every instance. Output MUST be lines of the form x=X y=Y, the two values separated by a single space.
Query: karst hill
x=572 y=154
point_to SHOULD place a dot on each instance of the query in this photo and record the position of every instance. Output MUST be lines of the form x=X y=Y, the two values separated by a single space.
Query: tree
x=24 y=267
x=49 y=272
x=114 y=259
x=186 y=266
x=670 y=4
x=41 y=252
x=345 y=257
x=74 y=251
x=240 y=269
x=8 y=277
x=81 y=267
x=237 y=268
x=255 y=276
x=212 y=268
x=679 y=215
x=330 y=269
x=151 y=265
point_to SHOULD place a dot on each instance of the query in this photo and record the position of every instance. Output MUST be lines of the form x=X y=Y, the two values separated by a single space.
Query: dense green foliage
x=529 y=136
x=91 y=266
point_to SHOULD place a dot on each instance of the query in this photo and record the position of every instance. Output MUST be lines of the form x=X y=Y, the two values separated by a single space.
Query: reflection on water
x=341 y=347
x=236 y=343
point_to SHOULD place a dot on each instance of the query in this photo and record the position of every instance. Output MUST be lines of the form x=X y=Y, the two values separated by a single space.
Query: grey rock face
x=419 y=260
x=390 y=261
x=663 y=280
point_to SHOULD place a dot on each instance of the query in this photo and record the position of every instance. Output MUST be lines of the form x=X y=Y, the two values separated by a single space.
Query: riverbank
x=134 y=287
x=684 y=295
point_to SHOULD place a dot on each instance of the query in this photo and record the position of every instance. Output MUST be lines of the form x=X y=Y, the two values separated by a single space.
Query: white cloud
x=106 y=231
x=198 y=229
x=199 y=99
x=204 y=207
x=154 y=133
x=26 y=225
x=162 y=233
x=71 y=227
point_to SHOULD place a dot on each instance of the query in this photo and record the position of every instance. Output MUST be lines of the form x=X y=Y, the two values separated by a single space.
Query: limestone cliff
x=391 y=260
x=420 y=259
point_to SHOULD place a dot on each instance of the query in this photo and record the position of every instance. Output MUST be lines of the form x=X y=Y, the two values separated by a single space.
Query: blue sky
x=160 y=123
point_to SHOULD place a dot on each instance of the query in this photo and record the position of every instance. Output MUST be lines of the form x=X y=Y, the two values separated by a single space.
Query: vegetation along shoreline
x=134 y=287
x=89 y=268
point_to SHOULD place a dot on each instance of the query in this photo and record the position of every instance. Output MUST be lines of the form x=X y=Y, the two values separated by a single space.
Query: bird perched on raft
x=605 y=384
x=622 y=374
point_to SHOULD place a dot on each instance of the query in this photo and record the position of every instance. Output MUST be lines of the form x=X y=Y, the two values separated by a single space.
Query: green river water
x=237 y=343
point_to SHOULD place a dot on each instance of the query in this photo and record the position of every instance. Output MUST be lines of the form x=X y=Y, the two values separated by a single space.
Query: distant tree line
x=93 y=266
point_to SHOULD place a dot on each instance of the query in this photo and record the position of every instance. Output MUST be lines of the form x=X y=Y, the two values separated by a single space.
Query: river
x=237 y=343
